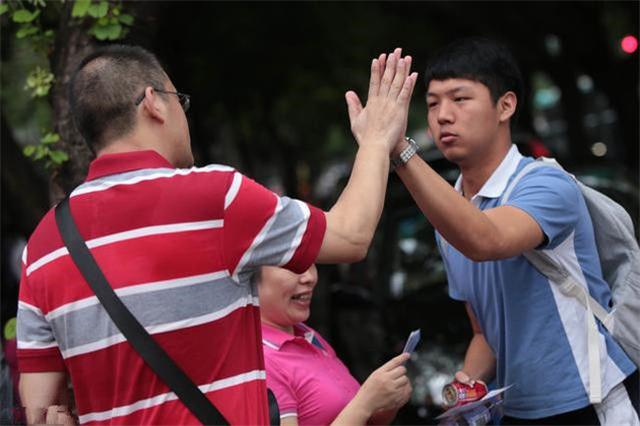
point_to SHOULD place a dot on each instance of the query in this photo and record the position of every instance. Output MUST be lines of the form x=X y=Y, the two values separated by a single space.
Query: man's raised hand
x=384 y=118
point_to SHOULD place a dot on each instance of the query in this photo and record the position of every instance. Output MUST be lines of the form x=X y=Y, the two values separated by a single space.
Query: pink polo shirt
x=306 y=376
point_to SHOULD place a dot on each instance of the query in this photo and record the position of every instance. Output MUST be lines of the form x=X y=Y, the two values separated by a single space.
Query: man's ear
x=153 y=106
x=507 y=106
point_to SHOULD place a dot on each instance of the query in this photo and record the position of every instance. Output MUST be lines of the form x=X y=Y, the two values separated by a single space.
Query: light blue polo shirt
x=538 y=334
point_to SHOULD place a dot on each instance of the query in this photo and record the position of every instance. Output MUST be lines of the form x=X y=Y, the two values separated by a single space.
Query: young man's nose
x=445 y=112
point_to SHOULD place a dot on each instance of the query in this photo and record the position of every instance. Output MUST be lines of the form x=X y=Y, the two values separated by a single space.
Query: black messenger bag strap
x=142 y=342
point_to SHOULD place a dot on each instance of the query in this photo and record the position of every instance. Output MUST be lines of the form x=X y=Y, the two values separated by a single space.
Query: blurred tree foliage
x=43 y=40
x=268 y=79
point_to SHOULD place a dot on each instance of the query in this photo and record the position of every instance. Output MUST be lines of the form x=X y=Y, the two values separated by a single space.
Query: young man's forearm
x=475 y=233
x=446 y=210
x=479 y=362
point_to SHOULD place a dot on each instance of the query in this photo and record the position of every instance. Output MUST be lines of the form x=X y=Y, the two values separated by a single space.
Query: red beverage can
x=456 y=394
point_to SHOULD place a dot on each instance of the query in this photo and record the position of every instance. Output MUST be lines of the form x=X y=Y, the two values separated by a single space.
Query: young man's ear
x=153 y=106
x=507 y=106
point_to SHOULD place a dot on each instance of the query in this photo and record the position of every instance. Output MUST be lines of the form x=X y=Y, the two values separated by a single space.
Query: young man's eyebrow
x=450 y=91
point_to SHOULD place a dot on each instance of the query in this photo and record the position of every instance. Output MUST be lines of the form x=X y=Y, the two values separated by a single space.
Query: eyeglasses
x=183 y=98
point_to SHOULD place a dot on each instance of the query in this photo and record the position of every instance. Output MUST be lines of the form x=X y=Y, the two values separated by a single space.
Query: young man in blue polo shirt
x=526 y=333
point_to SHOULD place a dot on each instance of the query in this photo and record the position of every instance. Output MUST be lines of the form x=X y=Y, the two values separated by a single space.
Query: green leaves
x=50 y=138
x=107 y=31
x=45 y=152
x=109 y=22
x=22 y=16
x=39 y=82
x=98 y=10
x=26 y=30
x=58 y=157
x=125 y=19
x=29 y=150
x=4 y=8
x=80 y=8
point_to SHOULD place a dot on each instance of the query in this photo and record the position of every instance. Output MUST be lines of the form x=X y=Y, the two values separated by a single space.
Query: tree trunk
x=72 y=44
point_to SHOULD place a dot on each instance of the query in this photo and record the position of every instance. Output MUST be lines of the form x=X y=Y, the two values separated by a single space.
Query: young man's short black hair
x=479 y=59
x=104 y=87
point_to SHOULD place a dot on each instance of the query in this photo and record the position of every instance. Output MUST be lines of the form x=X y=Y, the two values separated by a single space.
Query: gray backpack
x=620 y=261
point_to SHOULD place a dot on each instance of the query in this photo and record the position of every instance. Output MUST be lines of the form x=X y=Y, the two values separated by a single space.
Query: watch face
x=407 y=153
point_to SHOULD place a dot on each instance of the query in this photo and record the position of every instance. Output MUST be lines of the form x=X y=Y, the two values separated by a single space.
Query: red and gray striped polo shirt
x=179 y=246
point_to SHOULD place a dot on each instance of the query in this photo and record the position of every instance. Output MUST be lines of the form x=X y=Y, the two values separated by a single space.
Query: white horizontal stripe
x=287 y=414
x=155 y=230
x=36 y=345
x=161 y=328
x=170 y=396
x=46 y=259
x=257 y=240
x=24 y=305
x=137 y=289
x=299 y=232
x=233 y=190
x=103 y=184
x=128 y=235
x=269 y=344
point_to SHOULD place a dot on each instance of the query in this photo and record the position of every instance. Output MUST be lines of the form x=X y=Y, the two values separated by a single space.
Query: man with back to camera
x=526 y=332
x=179 y=244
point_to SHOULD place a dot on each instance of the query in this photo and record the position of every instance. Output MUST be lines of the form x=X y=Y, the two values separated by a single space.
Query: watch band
x=405 y=154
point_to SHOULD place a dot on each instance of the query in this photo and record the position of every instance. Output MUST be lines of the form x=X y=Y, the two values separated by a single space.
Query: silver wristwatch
x=405 y=154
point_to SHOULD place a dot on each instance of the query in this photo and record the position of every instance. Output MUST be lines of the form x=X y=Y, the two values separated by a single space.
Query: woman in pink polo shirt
x=312 y=386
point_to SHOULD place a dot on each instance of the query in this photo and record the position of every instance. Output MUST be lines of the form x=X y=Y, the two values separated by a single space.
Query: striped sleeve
x=261 y=228
x=37 y=347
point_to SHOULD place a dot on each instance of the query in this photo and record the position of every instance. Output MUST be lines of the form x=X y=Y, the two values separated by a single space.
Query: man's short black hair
x=104 y=87
x=479 y=59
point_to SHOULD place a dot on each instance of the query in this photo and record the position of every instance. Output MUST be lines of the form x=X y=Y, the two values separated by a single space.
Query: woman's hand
x=387 y=388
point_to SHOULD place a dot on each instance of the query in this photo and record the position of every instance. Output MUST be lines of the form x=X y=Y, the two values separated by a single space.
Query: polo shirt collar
x=497 y=182
x=275 y=338
x=111 y=164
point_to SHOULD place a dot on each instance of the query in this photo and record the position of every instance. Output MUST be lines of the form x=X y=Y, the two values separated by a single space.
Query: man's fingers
x=354 y=106
x=397 y=52
x=374 y=81
x=382 y=59
x=58 y=415
x=387 y=77
x=380 y=71
x=408 y=60
x=407 y=88
x=399 y=78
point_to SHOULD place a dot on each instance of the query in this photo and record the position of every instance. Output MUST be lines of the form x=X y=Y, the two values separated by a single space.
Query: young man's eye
x=431 y=104
x=460 y=99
